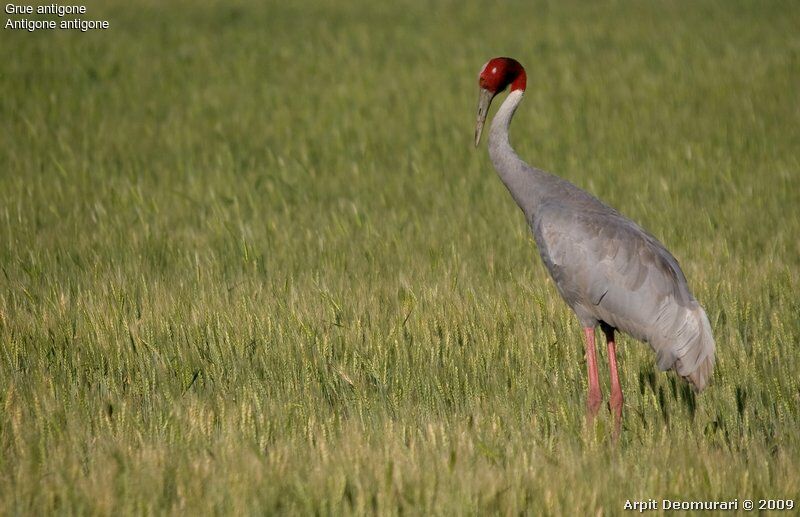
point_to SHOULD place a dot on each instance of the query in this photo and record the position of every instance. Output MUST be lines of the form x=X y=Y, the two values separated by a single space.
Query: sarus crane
x=611 y=272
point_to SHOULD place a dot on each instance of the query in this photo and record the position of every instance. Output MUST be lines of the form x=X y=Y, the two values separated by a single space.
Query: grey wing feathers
x=610 y=270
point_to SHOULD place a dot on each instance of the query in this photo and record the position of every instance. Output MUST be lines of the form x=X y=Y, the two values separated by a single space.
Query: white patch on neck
x=515 y=94
x=503 y=116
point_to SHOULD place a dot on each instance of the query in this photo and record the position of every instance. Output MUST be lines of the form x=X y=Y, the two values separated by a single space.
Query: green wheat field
x=252 y=263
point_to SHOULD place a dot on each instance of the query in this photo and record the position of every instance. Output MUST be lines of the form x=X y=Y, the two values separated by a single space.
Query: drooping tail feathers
x=695 y=358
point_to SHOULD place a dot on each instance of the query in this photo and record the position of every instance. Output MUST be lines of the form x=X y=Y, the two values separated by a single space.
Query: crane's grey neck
x=523 y=182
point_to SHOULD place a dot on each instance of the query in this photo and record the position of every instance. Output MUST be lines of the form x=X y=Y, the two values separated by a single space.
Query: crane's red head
x=501 y=72
x=497 y=75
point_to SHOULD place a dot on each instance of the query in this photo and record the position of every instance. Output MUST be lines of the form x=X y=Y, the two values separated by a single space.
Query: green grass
x=252 y=263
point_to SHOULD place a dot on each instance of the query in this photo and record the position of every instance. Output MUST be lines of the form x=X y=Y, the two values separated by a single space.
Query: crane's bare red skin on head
x=497 y=75
x=501 y=72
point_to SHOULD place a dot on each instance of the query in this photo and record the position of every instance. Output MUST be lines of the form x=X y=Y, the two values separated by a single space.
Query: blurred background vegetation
x=251 y=261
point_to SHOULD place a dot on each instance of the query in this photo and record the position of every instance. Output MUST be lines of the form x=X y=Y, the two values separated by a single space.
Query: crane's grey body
x=608 y=269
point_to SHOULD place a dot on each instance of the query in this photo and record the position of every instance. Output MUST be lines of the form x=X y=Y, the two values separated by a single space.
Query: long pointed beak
x=484 y=100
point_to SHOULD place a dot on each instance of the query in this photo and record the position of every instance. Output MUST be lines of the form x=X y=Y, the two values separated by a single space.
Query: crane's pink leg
x=595 y=398
x=616 y=388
